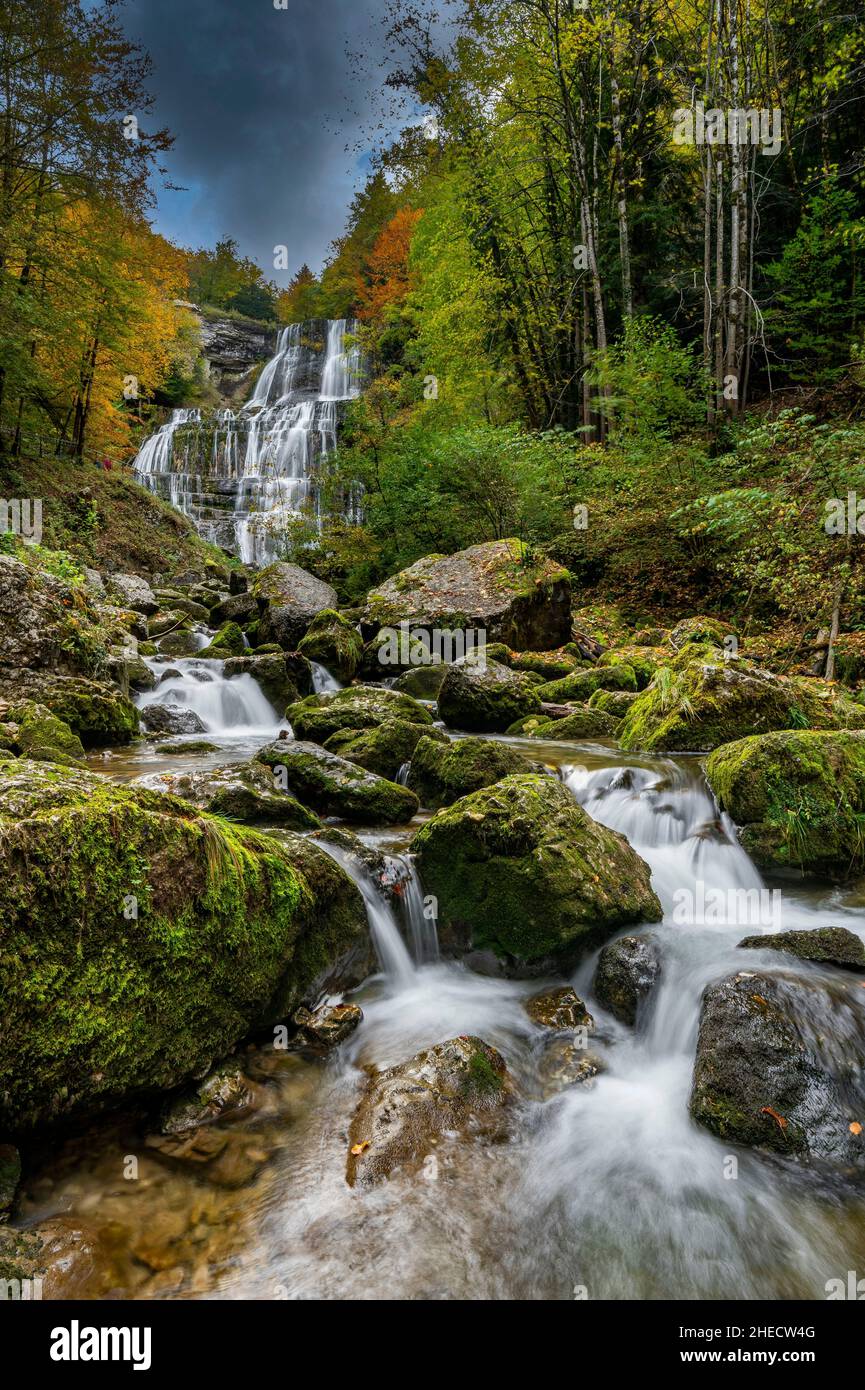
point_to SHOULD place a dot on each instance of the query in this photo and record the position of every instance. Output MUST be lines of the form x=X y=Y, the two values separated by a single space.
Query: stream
x=607 y=1190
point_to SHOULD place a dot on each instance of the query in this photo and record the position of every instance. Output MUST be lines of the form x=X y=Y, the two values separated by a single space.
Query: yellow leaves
x=358 y=1149
x=779 y=1119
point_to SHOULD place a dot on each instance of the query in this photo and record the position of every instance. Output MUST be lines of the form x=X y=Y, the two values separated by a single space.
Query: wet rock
x=329 y=1025
x=494 y=587
x=133 y=592
x=384 y=749
x=189 y=747
x=334 y=642
x=521 y=870
x=289 y=599
x=628 y=970
x=561 y=1009
x=171 y=719
x=827 y=945
x=360 y=707
x=73 y=1257
x=40 y=735
x=245 y=792
x=443 y=771
x=335 y=787
x=225 y=1091
x=271 y=672
x=486 y=698
x=581 y=723
x=178 y=602
x=139 y=675
x=616 y=703
x=457 y=1085
x=563 y=1064
x=223 y=929
x=798 y=798
x=10 y=1176
x=227 y=642
x=164 y=622
x=778 y=1067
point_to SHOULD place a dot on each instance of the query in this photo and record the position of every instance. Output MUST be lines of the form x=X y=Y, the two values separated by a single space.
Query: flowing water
x=243 y=476
x=608 y=1189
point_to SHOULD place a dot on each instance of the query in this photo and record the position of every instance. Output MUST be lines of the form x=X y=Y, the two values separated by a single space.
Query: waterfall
x=232 y=705
x=420 y=925
x=322 y=680
x=242 y=477
x=393 y=957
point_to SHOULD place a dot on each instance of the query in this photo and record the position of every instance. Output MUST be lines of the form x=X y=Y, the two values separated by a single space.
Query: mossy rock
x=227 y=642
x=179 y=643
x=442 y=771
x=421 y=682
x=549 y=665
x=289 y=599
x=335 y=787
x=245 y=792
x=141 y=939
x=613 y=702
x=582 y=723
x=98 y=713
x=700 y=705
x=643 y=661
x=359 y=707
x=138 y=674
x=484 y=697
x=334 y=643
x=162 y=623
x=824 y=945
x=713 y=631
x=384 y=749
x=580 y=685
x=189 y=747
x=522 y=872
x=798 y=798
x=42 y=736
x=270 y=670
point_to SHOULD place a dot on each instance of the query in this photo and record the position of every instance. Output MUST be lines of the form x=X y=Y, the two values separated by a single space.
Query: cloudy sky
x=262 y=102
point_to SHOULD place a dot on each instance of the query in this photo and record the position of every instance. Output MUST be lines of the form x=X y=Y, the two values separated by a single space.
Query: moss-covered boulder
x=141 y=939
x=699 y=705
x=773 y=1067
x=798 y=798
x=236 y=608
x=456 y=1086
x=359 y=707
x=643 y=661
x=181 y=643
x=421 y=682
x=272 y=673
x=333 y=642
x=580 y=685
x=825 y=945
x=245 y=792
x=139 y=676
x=335 y=787
x=522 y=872
x=485 y=697
x=164 y=622
x=47 y=623
x=627 y=972
x=616 y=703
x=40 y=735
x=551 y=665
x=713 y=631
x=385 y=748
x=496 y=588
x=97 y=712
x=583 y=722
x=227 y=642
x=171 y=719
x=442 y=772
x=289 y=599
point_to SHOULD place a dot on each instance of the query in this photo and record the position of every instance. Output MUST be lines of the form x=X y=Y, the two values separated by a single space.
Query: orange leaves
x=387 y=280
x=779 y=1119
x=855 y=1127
x=358 y=1149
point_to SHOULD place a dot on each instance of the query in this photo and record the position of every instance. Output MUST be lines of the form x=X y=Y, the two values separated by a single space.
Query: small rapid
x=228 y=706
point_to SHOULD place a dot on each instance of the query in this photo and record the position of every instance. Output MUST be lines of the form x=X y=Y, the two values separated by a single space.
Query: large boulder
x=333 y=642
x=442 y=772
x=580 y=685
x=359 y=707
x=455 y=1086
x=627 y=972
x=582 y=722
x=132 y=591
x=335 y=787
x=96 y=711
x=140 y=939
x=798 y=798
x=495 y=588
x=384 y=749
x=47 y=623
x=778 y=1067
x=40 y=735
x=289 y=598
x=245 y=792
x=485 y=697
x=524 y=875
x=171 y=719
x=696 y=705
x=227 y=642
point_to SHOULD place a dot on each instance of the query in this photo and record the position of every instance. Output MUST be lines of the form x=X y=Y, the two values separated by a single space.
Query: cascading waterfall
x=232 y=705
x=241 y=477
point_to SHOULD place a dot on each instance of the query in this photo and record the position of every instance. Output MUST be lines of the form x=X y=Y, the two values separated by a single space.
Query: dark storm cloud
x=262 y=102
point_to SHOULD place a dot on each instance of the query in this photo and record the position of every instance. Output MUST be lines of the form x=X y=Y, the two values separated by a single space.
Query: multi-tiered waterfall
x=242 y=476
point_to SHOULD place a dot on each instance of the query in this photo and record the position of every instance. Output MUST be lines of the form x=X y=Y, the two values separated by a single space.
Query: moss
x=613 y=702
x=360 y=707
x=582 y=723
x=97 y=713
x=384 y=749
x=227 y=642
x=335 y=787
x=333 y=642
x=41 y=735
x=140 y=939
x=443 y=771
x=797 y=796
x=581 y=684
x=643 y=661
x=486 y=699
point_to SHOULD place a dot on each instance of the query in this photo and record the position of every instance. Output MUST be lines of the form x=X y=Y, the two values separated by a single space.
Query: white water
x=227 y=705
x=243 y=477
x=322 y=680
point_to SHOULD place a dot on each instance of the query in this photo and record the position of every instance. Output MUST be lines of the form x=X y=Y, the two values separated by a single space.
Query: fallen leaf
x=360 y=1148
x=855 y=1128
x=779 y=1119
